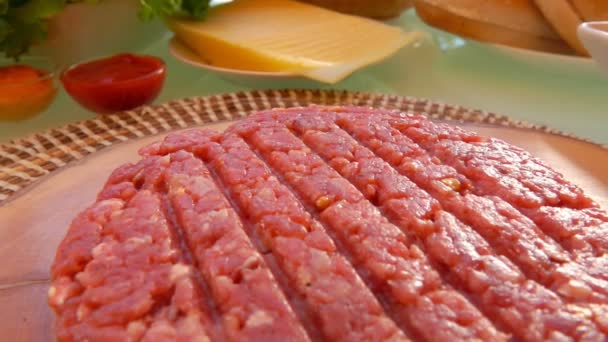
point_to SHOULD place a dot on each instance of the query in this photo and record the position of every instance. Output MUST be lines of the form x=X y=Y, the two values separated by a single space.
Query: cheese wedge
x=285 y=35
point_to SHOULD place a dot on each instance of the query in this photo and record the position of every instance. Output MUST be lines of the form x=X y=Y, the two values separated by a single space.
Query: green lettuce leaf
x=17 y=35
x=24 y=23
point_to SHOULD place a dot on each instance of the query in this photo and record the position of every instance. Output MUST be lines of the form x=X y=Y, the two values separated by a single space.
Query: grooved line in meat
x=154 y=183
x=257 y=309
x=157 y=300
x=333 y=289
x=296 y=301
x=382 y=298
x=412 y=291
x=179 y=235
x=568 y=280
x=410 y=207
x=539 y=257
x=559 y=208
x=308 y=257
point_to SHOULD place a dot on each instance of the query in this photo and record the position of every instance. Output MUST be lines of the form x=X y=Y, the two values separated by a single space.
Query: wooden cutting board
x=34 y=222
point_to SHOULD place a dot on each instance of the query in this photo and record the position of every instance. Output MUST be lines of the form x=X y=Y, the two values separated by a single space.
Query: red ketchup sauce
x=116 y=83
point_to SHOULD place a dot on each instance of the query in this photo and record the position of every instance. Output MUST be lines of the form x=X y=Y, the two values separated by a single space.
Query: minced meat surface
x=334 y=224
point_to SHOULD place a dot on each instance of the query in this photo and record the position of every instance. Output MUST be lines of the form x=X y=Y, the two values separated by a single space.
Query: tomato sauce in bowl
x=116 y=83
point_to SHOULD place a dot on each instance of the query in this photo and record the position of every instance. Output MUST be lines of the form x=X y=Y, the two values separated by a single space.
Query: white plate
x=499 y=53
x=238 y=76
x=540 y=56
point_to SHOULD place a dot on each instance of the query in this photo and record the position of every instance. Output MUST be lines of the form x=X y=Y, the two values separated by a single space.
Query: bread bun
x=565 y=20
x=591 y=10
x=378 y=9
x=515 y=23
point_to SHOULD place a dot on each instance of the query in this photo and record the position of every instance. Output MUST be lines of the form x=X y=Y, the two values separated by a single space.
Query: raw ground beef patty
x=334 y=224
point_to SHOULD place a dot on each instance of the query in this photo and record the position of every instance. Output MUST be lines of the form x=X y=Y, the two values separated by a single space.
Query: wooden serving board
x=34 y=222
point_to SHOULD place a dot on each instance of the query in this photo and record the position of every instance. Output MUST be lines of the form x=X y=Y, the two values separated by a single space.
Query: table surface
x=565 y=94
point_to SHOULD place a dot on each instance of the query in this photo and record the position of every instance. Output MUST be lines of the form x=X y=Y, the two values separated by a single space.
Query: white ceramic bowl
x=594 y=36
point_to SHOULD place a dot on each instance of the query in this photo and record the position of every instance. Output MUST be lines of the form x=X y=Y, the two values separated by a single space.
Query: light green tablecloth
x=570 y=96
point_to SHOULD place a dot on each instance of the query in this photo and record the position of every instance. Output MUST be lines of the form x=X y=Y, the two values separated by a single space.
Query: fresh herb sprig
x=24 y=22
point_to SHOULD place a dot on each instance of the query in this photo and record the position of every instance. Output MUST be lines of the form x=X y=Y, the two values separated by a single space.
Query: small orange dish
x=24 y=91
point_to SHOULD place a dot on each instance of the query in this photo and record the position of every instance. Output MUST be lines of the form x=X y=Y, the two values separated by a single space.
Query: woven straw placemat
x=25 y=160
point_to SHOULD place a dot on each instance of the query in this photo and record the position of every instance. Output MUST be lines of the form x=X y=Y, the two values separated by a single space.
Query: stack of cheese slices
x=545 y=25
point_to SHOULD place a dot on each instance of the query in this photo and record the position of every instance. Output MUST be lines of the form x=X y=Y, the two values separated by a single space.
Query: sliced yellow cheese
x=285 y=35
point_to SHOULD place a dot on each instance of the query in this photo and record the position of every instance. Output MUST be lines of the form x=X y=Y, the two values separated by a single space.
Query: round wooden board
x=35 y=221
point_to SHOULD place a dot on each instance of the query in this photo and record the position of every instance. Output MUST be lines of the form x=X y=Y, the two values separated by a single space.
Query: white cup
x=594 y=36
